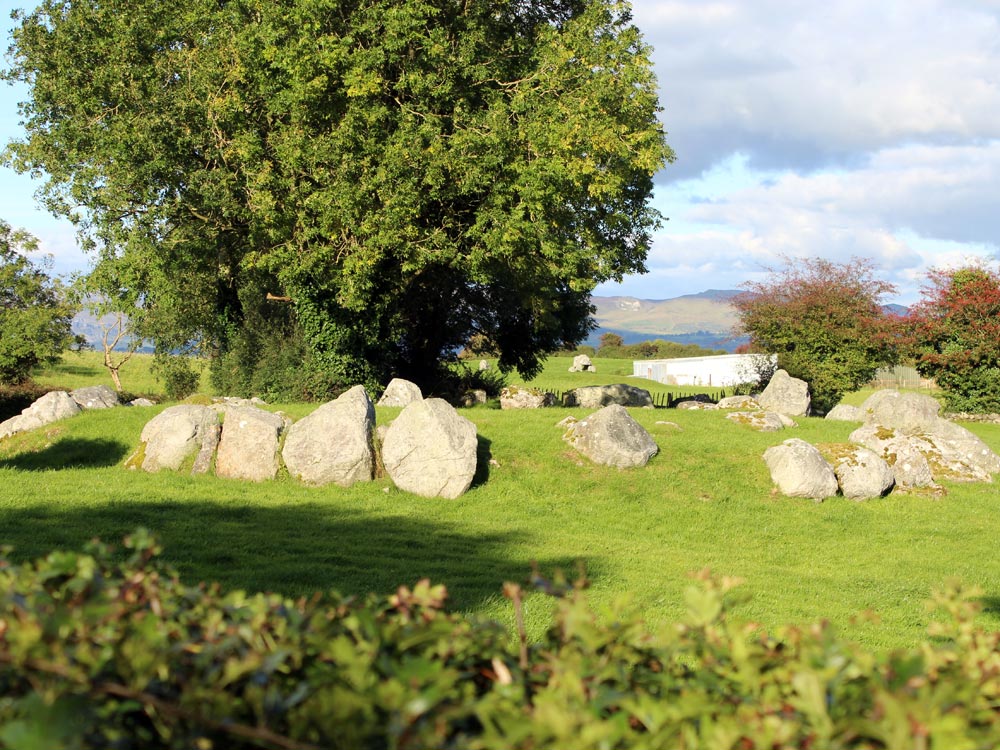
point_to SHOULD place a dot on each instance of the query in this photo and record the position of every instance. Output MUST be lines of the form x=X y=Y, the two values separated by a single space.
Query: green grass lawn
x=86 y=368
x=705 y=501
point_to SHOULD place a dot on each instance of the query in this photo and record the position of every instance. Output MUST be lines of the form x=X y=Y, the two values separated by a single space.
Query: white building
x=722 y=370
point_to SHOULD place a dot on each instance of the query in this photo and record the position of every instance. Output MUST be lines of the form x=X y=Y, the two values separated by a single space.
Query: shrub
x=956 y=329
x=179 y=378
x=825 y=322
x=99 y=654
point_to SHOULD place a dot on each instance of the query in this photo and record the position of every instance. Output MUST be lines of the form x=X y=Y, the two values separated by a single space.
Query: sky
x=802 y=129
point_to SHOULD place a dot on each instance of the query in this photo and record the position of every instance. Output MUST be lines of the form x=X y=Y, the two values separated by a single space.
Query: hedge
x=98 y=651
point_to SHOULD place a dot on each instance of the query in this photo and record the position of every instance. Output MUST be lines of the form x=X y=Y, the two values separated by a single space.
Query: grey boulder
x=516 y=397
x=845 y=413
x=175 y=434
x=597 y=396
x=333 y=445
x=799 y=470
x=51 y=407
x=738 y=402
x=400 y=392
x=612 y=438
x=95 y=397
x=430 y=450
x=248 y=447
x=907 y=412
x=761 y=421
x=786 y=395
x=861 y=473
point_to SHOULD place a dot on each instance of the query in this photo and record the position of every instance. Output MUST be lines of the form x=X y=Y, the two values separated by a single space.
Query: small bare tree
x=115 y=330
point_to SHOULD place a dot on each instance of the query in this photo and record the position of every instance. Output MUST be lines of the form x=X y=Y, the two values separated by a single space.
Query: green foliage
x=825 y=322
x=97 y=653
x=408 y=172
x=655 y=349
x=178 y=375
x=956 y=330
x=34 y=312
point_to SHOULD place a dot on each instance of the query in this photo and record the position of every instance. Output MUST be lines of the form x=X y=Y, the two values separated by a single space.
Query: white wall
x=722 y=370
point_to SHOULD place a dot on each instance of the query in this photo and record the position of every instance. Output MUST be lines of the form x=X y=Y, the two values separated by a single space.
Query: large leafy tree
x=956 y=330
x=34 y=313
x=408 y=172
x=824 y=320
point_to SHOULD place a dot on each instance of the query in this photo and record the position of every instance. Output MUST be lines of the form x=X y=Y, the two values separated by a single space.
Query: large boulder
x=954 y=440
x=612 y=438
x=799 y=470
x=517 y=397
x=845 y=413
x=861 y=473
x=947 y=451
x=907 y=412
x=785 y=395
x=334 y=443
x=248 y=447
x=174 y=435
x=400 y=392
x=430 y=450
x=905 y=454
x=95 y=397
x=597 y=396
x=582 y=363
x=51 y=407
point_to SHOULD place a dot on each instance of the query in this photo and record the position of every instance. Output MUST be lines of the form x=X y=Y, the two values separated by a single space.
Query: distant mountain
x=706 y=318
x=89 y=326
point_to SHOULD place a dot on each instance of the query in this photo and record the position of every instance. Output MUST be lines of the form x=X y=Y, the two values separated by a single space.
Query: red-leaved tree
x=824 y=320
x=956 y=330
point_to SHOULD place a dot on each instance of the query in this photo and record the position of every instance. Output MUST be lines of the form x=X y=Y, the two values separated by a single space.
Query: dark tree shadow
x=483 y=456
x=69 y=453
x=294 y=550
x=991 y=605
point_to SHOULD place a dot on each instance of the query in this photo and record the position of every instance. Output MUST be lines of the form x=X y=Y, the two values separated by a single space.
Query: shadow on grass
x=69 y=453
x=294 y=550
x=991 y=605
x=483 y=456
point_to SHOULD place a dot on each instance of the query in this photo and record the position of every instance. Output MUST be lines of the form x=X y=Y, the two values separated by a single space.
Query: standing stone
x=399 y=392
x=334 y=443
x=800 y=470
x=248 y=448
x=483 y=365
x=786 y=395
x=582 y=363
x=430 y=450
x=95 y=397
x=175 y=434
x=597 y=396
x=861 y=473
x=612 y=438
x=51 y=407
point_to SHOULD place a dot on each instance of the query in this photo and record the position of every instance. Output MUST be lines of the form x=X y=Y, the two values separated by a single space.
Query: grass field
x=705 y=501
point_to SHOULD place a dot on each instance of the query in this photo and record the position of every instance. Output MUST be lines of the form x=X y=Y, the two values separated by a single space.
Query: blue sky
x=827 y=129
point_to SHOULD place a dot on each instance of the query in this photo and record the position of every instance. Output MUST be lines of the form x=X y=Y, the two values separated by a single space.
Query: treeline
x=102 y=654
x=613 y=346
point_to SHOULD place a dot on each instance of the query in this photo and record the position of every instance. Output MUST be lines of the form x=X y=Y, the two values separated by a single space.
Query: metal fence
x=899 y=377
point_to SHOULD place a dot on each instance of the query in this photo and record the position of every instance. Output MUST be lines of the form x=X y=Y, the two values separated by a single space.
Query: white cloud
x=803 y=85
